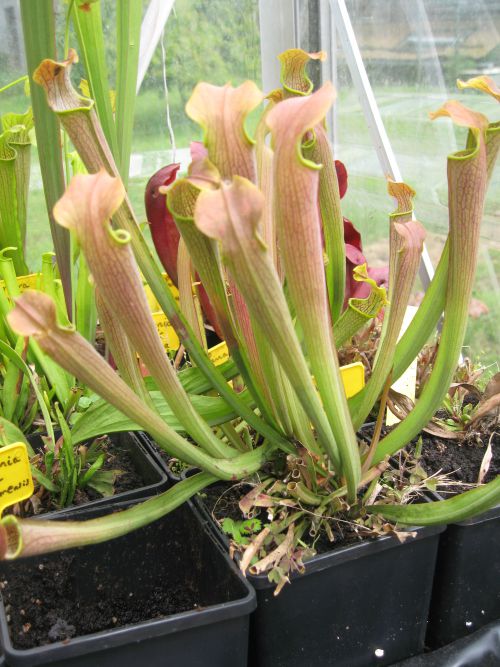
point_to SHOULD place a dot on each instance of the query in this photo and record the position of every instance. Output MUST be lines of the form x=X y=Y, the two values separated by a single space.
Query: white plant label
x=406 y=383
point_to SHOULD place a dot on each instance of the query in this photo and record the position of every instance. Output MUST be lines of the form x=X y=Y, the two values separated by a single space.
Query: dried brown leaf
x=486 y=462
x=276 y=555
x=253 y=549
x=493 y=387
x=485 y=408
x=251 y=499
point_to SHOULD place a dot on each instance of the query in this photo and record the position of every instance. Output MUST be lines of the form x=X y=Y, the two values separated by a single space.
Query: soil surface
x=221 y=500
x=459 y=459
x=44 y=605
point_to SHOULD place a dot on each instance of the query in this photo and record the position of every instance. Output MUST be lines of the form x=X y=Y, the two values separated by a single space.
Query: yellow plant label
x=353 y=378
x=16 y=482
x=153 y=303
x=168 y=335
x=167 y=332
x=218 y=354
x=31 y=281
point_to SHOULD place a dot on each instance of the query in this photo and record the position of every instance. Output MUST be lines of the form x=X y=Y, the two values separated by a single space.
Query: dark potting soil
x=459 y=459
x=41 y=606
x=462 y=461
x=345 y=534
x=221 y=500
x=165 y=568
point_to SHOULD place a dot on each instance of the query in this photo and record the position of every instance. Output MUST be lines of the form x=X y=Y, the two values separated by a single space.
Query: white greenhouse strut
x=152 y=27
x=373 y=118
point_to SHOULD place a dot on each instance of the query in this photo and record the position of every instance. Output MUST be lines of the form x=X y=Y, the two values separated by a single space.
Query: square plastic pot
x=480 y=649
x=360 y=605
x=144 y=460
x=162 y=460
x=466 y=594
x=172 y=550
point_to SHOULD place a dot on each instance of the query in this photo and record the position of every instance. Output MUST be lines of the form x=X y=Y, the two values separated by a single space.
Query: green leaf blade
x=128 y=23
x=88 y=25
x=458 y=508
x=39 y=39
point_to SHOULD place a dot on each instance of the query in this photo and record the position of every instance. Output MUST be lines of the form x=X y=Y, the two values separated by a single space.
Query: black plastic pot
x=164 y=461
x=174 y=551
x=360 y=605
x=480 y=649
x=144 y=459
x=466 y=594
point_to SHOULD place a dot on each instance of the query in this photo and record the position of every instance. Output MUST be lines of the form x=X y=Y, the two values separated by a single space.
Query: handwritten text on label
x=16 y=482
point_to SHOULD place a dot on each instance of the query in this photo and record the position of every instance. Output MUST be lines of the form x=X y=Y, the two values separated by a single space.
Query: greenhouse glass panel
x=216 y=41
x=413 y=53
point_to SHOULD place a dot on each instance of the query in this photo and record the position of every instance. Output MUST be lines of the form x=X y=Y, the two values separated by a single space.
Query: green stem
x=29 y=537
x=196 y=352
x=89 y=31
x=66 y=27
x=55 y=375
x=181 y=202
x=432 y=306
x=300 y=491
x=405 y=251
x=467 y=180
x=233 y=437
x=458 y=508
x=332 y=220
x=83 y=128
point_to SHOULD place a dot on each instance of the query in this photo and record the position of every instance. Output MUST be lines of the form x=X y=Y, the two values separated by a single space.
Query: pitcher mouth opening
x=11 y=542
